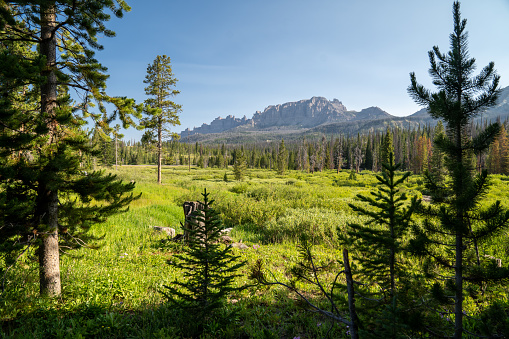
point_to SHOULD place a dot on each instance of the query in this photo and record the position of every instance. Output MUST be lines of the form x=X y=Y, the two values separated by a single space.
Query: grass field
x=115 y=291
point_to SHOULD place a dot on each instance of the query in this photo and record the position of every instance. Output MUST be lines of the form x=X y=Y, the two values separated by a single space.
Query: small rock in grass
x=226 y=239
x=240 y=245
x=168 y=230
x=227 y=230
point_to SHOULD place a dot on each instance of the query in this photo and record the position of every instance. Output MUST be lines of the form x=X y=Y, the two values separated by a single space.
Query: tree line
x=414 y=148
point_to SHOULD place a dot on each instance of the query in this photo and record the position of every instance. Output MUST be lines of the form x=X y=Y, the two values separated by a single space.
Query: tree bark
x=159 y=148
x=116 y=150
x=49 y=258
x=458 y=302
x=47 y=198
x=458 y=270
x=354 y=330
x=189 y=208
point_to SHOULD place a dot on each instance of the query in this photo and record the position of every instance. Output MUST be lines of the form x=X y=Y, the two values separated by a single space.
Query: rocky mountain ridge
x=319 y=115
x=296 y=115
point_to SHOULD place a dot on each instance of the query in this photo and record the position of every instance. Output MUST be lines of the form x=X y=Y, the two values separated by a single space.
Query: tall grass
x=114 y=291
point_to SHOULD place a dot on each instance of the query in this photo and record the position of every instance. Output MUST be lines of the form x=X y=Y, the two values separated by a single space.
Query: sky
x=236 y=57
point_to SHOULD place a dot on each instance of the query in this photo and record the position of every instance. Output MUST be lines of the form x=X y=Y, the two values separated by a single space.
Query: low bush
x=320 y=226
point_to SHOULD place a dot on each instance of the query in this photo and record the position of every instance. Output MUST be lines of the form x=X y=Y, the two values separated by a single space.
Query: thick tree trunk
x=49 y=259
x=458 y=302
x=189 y=208
x=47 y=199
x=159 y=148
x=458 y=270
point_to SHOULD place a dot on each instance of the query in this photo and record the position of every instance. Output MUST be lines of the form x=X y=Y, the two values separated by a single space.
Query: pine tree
x=57 y=199
x=368 y=154
x=421 y=159
x=437 y=173
x=357 y=157
x=498 y=158
x=460 y=223
x=385 y=229
x=282 y=158
x=209 y=267
x=239 y=165
x=160 y=111
x=387 y=147
x=379 y=242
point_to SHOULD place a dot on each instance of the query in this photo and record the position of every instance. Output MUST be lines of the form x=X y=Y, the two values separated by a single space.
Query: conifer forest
x=392 y=233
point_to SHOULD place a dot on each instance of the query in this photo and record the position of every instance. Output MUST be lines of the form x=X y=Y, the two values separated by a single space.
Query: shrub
x=319 y=225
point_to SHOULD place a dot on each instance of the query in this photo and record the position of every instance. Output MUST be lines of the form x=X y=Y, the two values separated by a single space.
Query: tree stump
x=189 y=208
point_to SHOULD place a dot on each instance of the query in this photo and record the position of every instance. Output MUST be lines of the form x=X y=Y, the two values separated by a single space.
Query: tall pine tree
x=160 y=112
x=45 y=196
x=460 y=222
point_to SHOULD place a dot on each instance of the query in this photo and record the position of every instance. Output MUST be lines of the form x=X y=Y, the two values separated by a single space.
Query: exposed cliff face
x=218 y=125
x=320 y=114
x=303 y=113
x=300 y=114
x=372 y=113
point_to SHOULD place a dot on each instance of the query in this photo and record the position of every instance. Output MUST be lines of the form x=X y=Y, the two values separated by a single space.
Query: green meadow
x=115 y=291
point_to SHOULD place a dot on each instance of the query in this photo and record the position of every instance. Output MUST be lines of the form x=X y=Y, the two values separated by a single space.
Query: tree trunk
x=159 y=149
x=49 y=258
x=189 y=208
x=458 y=302
x=458 y=270
x=47 y=199
x=116 y=151
x=354 y=330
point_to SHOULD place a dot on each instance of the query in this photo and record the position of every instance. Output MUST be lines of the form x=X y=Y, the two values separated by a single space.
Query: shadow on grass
x=256 y=316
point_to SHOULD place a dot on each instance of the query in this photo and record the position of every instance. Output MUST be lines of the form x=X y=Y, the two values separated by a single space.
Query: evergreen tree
x=282 y=158
x=160 y=111
x=461 y=222
x=239 y=166
x=320 y=159
x=421 y=159
x=368 y=154
x=385 y=229
x=387 y=147
x=437 y=173
x=46 y=194
x=379 y=242
x=498 y=158
x=338 y=150
x=208 y=266
x=357 y=157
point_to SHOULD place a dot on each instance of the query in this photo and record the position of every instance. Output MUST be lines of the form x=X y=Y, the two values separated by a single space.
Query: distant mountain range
x=317 y=116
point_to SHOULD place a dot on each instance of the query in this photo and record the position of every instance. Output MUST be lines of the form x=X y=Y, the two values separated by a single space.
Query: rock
x=303 y=113
x=427 y=198
x=497 y=260
x=168 y=230
x=240 y=245
x=226 y=230
x=226 y=239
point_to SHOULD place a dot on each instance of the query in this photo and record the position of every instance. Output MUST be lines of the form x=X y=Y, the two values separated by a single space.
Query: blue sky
x=237 y=57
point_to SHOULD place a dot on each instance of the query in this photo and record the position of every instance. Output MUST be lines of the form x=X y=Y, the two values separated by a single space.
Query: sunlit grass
x=121 y=282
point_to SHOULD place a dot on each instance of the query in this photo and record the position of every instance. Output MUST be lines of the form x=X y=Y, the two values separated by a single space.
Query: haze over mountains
x=318 y=115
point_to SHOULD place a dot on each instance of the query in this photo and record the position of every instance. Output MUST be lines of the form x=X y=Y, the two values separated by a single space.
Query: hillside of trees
x=413 y=148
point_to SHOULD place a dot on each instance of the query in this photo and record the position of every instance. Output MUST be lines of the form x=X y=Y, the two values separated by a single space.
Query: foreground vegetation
x=115 y=291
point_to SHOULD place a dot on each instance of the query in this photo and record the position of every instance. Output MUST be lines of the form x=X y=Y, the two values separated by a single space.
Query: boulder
x=170 y=232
